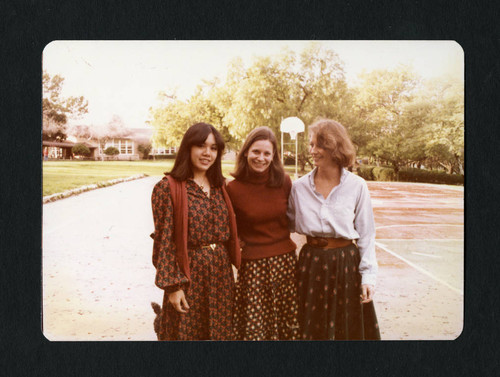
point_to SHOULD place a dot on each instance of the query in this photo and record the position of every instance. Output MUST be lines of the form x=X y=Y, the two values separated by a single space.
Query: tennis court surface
x=420 y=249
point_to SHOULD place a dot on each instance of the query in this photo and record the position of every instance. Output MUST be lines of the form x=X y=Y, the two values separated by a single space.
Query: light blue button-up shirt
x=346 y=213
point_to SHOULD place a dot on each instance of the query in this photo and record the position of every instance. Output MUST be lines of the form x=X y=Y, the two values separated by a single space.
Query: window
x=123 y=145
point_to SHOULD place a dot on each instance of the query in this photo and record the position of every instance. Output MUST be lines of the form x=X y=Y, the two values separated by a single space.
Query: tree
x=80 y=150
x=384 y=105
x=445 y=132
x=270 y=89
x=56 y=109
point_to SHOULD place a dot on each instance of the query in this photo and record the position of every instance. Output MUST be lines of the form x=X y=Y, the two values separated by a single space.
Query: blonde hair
x=333 y=137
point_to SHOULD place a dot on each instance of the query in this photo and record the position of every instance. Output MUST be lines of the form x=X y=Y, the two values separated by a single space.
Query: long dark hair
x=276 y=171
x=196 y=135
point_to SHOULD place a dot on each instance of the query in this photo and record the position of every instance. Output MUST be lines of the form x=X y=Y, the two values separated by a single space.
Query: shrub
x=111 y=151
x=428 y=176
x=144 y=149
x=80 y=150
x=383 y=174
x=365 y=172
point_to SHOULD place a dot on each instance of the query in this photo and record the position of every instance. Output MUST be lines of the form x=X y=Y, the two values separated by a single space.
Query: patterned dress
x=211 y=291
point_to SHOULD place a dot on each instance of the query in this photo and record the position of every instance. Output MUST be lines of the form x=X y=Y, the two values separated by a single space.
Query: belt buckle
x=322 y=242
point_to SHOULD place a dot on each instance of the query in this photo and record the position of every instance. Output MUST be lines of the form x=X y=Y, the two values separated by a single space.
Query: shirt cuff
x=370 y=279
x=174 y=288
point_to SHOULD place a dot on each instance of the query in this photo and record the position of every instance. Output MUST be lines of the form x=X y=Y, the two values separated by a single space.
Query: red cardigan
x=179 y=203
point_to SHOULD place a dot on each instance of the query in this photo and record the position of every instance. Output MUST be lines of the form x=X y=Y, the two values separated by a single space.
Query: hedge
x=376 y=173
x=429 y=176
x=365 y=172
x=383 y=174
x=111 y=151
x=80 y=150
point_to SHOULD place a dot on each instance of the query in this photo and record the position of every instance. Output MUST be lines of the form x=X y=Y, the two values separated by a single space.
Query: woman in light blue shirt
x=337 y=266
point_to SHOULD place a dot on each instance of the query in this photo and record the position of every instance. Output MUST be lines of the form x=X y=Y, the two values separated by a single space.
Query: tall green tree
x=385 y=106
x=272 y=88
x=56 y=109
x=445 y=131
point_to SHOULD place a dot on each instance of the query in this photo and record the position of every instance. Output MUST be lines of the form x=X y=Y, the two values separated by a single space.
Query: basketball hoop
x=292 y=126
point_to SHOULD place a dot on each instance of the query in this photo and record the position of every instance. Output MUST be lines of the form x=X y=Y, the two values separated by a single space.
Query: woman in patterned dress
x=266 y=292
x=337 y=265
x=193 y=254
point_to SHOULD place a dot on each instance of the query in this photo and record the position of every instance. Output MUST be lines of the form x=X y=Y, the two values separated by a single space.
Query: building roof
x=66 y=144
x=58 y=143
x=141 y=134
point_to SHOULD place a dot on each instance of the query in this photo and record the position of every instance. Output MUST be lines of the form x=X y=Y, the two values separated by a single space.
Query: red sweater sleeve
x=168 y=273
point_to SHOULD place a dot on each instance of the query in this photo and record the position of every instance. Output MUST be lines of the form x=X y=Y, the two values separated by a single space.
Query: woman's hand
x=367 y=293
x=178 y=301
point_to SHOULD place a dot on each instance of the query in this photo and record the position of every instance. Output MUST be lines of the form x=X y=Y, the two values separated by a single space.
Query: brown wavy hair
x=276 y=170
x=333 y=137
x=196 y=135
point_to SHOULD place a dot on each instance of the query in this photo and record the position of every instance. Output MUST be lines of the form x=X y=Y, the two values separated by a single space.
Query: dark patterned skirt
x=330 y=305
x=210 y=298
x=266 y=299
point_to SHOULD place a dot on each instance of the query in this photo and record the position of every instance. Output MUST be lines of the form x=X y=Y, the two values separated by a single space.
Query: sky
x=125 y=77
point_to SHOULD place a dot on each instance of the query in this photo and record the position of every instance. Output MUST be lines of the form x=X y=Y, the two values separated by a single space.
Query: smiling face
x=260 y=155
x=203 y=155
x=320 y=156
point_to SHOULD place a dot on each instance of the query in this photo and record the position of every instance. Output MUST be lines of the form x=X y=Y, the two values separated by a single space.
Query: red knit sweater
x=261 y=216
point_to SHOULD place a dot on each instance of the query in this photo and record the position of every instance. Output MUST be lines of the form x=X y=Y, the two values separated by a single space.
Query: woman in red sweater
x=266 y=292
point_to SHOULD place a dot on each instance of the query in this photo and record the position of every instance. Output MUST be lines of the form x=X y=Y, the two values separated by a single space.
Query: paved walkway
x=98 y=279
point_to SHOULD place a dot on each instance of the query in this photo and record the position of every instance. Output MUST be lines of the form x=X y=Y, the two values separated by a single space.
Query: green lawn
x=59 y=176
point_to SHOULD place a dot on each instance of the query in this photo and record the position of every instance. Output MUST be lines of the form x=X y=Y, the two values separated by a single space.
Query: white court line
x=426 y=255
x=418 y=268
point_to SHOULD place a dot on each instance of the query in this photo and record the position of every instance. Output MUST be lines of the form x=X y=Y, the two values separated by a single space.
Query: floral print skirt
x=266 y=299
x=330 y=307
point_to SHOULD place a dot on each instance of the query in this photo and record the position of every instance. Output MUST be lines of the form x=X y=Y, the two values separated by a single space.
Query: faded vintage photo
x=252 y=190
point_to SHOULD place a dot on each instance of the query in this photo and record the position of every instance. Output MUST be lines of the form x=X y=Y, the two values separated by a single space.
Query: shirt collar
x=343 y=175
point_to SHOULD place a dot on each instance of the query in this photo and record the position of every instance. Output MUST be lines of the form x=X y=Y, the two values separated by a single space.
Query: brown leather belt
x=327 y=243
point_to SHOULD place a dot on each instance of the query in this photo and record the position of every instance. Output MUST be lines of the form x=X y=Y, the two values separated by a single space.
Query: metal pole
x=282 y=161
x=296 y=156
